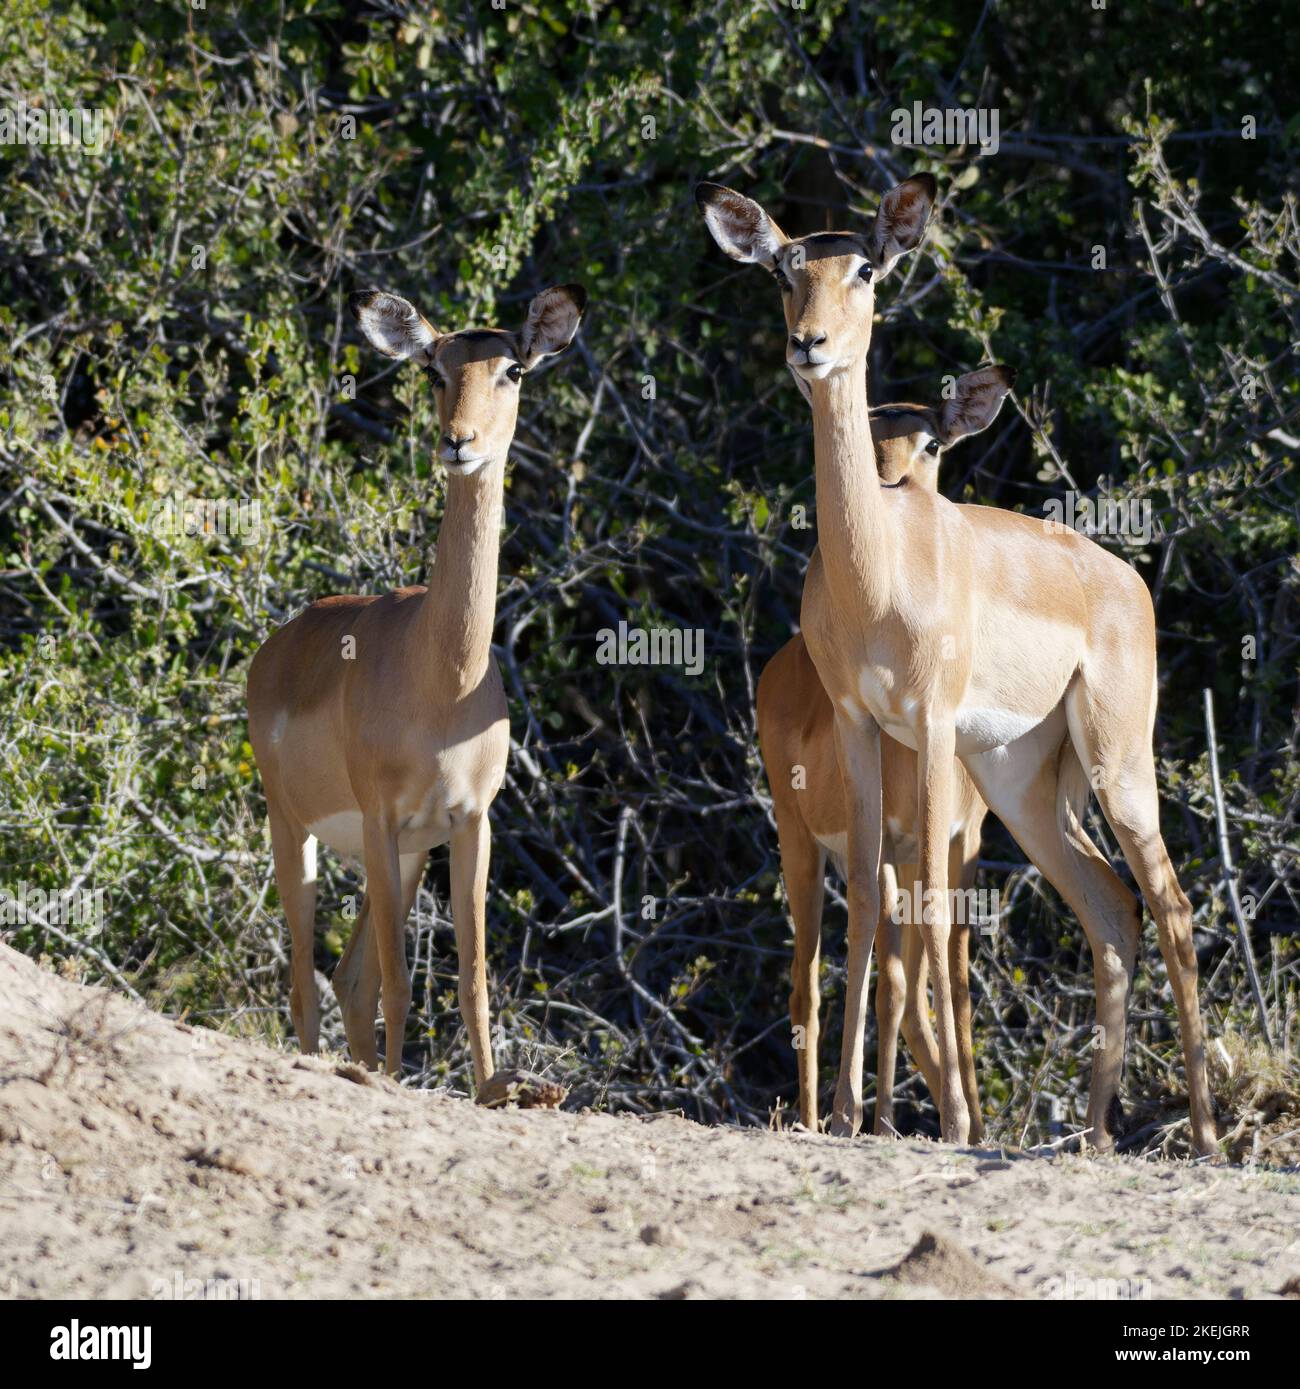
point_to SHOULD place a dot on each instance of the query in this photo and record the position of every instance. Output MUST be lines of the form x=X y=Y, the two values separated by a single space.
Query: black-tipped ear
x=739 y=225
x=901 y=222
x=551 y=323
x=976 y=401
x=391 y=324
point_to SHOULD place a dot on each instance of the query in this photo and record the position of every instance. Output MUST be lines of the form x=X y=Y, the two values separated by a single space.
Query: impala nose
x=806 y=345
x=454 y=444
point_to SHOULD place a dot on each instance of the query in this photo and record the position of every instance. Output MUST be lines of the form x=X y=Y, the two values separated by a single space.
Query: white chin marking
x=814 y=371
x=463 y=467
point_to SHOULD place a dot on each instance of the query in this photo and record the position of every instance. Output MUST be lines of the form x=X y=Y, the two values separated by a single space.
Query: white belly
x=837 y=845
x=837 y=850
x=342 y=832
x=981 y=730
x=978 y=729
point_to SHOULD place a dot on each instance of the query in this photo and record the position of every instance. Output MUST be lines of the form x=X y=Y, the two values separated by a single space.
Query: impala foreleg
x=471 y=844
x=937 y=746
x=294 y=851
x=858 y=746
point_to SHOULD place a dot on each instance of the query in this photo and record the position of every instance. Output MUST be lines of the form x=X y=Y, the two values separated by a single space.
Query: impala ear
x=976 y=401
x=392 y=324
x=901 y=221
x=552 y=322
x=739 y=225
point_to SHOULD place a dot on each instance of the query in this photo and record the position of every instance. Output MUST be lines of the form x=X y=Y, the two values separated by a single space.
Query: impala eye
x=436 y=378
x=932 y=447
x=514 y=371
x=779 y=276
x=866 y=272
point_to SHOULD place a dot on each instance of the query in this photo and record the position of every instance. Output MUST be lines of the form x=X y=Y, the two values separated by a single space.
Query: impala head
x=911 y=439
x=828 y=279
x=475 y=373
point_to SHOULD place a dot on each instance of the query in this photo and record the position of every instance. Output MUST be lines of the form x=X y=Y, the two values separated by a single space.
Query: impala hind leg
x=963 y=861
x=1126 y=787
x=1145 y=851
x=917 y=1031
x=388 y=922
x=357 y=974
x=959 y=976
x=294 y=853
x=919 y=1034
x=803 y=865
x=1038 y=790
x=471 y=845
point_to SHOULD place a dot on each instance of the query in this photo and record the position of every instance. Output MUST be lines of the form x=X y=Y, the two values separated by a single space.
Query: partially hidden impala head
x=476 y=372
x=827 y=279
x=911 y=439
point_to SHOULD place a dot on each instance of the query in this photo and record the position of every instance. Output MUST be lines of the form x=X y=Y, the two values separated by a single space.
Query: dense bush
x=174 y=328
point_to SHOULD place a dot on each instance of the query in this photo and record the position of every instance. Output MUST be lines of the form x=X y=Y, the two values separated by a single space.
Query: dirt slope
x=139 y=1157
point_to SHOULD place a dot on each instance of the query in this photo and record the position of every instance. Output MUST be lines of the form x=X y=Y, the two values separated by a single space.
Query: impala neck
x=853 y=535
x=459 y=609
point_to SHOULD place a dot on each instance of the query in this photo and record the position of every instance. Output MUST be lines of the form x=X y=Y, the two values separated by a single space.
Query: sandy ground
x=143 y=1158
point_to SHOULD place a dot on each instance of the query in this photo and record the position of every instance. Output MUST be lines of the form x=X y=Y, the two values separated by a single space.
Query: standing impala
x=973 y=632
x=796 y=731
x=379 y=723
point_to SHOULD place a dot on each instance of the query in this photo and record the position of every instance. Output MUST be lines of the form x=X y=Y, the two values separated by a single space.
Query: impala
x=796 y=731
x=973 y=632
x=379 y=723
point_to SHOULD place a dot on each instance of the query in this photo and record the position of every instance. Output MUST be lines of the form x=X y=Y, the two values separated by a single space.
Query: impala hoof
x=844 y=1126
